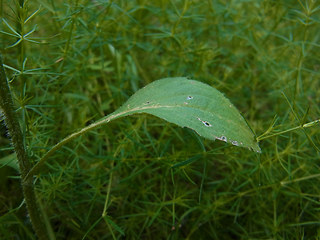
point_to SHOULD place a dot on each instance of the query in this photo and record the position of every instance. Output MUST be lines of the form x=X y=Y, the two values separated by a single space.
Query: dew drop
x=222 y=138
x=189 y=97
x=235 y=143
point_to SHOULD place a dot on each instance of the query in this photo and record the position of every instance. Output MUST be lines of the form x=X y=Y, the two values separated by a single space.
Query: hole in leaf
x=207 y=124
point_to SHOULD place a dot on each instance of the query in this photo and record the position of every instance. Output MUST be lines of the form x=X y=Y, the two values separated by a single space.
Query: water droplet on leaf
x=235 y=143
x=222 y=138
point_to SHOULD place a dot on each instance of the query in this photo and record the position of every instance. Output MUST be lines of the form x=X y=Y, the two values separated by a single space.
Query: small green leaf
x=192 y=104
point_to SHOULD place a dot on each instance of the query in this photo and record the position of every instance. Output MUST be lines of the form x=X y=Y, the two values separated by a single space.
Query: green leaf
x=187 y=103
x=192 y=104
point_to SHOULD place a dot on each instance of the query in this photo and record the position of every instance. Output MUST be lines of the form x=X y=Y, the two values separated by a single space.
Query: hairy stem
x=14 y=129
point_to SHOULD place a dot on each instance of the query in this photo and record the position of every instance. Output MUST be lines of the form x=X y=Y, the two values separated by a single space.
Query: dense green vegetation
x=72 y=62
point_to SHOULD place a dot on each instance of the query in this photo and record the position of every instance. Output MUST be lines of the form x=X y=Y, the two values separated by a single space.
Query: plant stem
x=14 y=129
x=306 y=125
x=67 y=46
x=104 y=212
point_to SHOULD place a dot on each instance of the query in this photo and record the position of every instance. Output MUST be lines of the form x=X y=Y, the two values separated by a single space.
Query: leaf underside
x=195 y=105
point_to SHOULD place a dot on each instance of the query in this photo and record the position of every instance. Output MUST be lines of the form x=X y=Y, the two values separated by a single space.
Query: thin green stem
x=185 y=8
x=67 y=46
x=22 y=11
x=104 y=212
x=306 y=125
x=301 y=53
x=14 y=129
